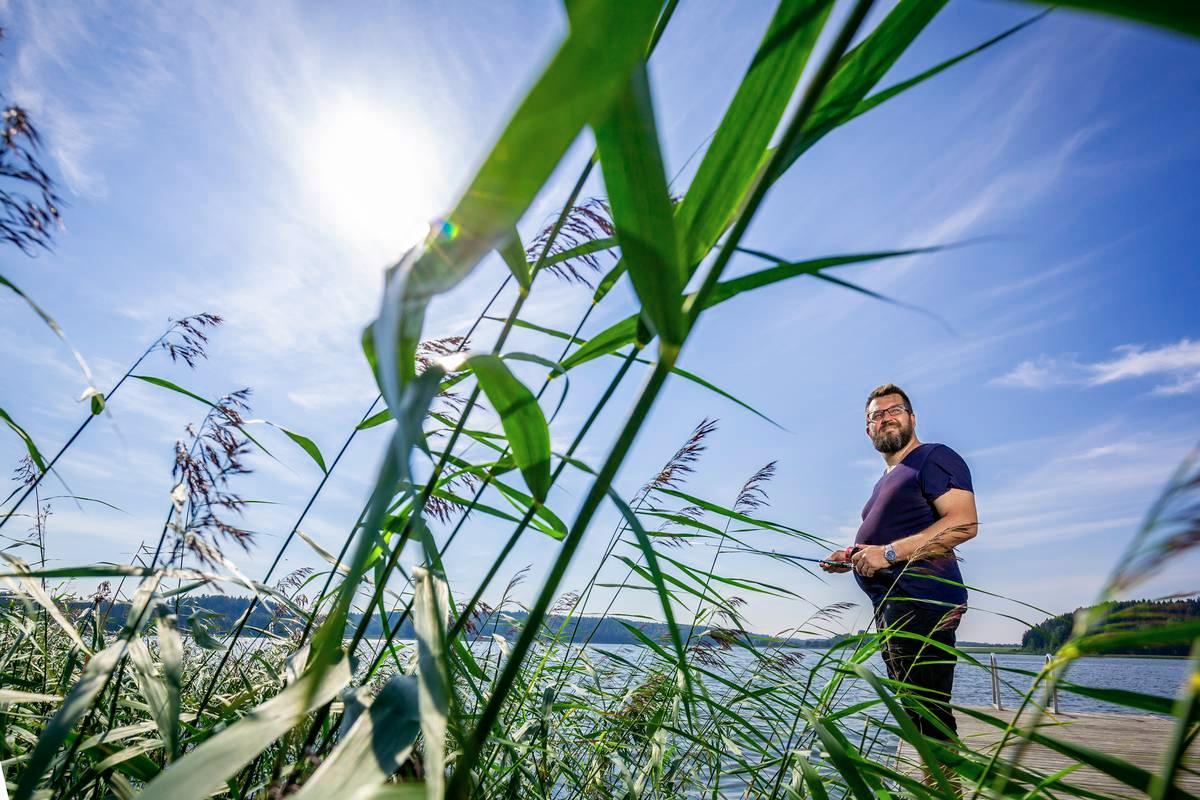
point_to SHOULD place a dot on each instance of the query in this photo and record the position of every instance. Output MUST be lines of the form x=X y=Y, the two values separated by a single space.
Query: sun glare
x=372 y=174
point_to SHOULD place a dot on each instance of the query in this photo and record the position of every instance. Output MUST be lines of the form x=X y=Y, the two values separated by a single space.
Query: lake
x=973 y=684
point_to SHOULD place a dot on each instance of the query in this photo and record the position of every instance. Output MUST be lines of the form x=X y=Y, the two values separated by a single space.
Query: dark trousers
x=927 y=670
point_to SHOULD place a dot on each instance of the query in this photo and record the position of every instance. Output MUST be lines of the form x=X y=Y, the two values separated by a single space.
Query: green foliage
x=1052 y=634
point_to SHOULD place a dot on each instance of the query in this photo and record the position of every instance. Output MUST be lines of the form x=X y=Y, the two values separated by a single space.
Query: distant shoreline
x=1015 y=650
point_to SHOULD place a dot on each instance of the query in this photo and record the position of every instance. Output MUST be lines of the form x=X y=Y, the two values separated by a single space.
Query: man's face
x=889 y=423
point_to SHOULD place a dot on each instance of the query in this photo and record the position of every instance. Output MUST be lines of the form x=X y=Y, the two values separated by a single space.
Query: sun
x=372 y=174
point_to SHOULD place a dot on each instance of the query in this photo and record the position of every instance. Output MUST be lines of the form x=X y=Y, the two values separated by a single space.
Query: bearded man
x=903 y=556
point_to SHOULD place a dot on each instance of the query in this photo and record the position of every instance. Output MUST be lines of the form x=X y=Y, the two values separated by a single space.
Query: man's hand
x=869 y=559
x=838 y=561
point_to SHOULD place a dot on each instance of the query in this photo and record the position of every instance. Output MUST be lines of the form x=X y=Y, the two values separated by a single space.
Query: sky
x=266 y=161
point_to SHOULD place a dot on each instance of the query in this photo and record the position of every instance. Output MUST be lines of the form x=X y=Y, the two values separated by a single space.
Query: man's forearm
x=942 y=536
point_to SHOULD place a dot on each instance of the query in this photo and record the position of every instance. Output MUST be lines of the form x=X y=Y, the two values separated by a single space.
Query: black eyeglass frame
x=890 y=411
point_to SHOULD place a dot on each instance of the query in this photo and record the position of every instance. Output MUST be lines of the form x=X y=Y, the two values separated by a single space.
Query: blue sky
x=265 y=161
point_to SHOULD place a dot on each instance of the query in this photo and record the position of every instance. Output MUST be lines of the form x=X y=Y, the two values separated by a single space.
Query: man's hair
x=886 y=389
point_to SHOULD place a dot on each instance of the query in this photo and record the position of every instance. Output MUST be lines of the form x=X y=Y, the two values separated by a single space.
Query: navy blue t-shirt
x=901 y=505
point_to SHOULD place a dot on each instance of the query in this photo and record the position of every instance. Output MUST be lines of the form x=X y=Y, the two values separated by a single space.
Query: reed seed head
x=682 y=463
x=584 y=223
x=753 y=494
x=186 y=339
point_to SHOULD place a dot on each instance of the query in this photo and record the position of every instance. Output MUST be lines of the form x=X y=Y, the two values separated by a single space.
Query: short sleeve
x=944 y=470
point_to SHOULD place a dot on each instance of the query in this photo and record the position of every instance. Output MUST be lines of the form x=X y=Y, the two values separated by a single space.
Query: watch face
x=890 y=553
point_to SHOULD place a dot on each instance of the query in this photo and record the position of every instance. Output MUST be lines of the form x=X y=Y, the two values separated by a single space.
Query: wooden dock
x=1139 y=740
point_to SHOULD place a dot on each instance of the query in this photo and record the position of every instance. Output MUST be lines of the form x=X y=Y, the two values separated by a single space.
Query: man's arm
x=957 y=523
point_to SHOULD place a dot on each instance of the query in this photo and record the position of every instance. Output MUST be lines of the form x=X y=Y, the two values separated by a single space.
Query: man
x=903 y=556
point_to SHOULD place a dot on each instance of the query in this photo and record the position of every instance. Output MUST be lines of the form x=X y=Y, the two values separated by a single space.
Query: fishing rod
x=883 y=573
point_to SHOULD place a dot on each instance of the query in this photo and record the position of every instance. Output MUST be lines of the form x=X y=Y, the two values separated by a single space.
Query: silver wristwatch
x=890 y=554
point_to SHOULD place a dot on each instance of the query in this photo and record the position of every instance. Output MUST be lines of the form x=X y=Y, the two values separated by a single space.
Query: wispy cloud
x=1177 y=364
x=1180 y=362
x=1098 y=492
x=84 y=113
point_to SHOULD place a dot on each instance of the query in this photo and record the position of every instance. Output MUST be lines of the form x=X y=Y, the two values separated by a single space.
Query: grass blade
x=1187 y=712
x=74 y=706
x=205 y=769
x=631 y=161
x=30 y=447
x=433 y=685
x=585 y=75
x=860 y=70
x=911 y=734
x=58 y=331
x=1177 y=15
x=512 y=252
x=731 y=162
x=522 y=418
x=380 y=740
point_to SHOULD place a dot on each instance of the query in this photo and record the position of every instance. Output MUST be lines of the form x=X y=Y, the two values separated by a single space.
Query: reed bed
x=159 y=702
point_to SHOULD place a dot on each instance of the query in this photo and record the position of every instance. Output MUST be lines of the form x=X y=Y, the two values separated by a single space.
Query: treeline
x=597 y=630
x=1050 y=635
x=215 y=615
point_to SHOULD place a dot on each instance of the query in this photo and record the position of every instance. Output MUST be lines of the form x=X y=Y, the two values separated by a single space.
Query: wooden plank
x=1139 y=740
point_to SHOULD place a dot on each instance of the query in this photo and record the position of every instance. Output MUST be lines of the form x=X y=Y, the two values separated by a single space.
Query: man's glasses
x=894 y=411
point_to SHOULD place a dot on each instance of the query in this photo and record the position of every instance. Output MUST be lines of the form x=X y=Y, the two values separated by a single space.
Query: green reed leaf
x=430 y=607
x=912 y=734
x=631 y=160
x=307 y=445
x=1155 y=704
x=30 y=447
x=544 y=519
x=585 y=75
x=154 y=691
x=610 y=340
x=166 y=384
x=730 y=165
x=1187 y=714
x=24 y=584
x=1177 y=15
x=375 y=420
x=881 y=97
x=13 y=697
x=1115 y=641
x=860 y=70
x=1118 y=768
x=174 y=387
x=58 y=331
x=696 y=379
x=512 y=252
x=74 y=706
x=660 y=587
x=378 y=742
x=847 y=766
x=813 y=779
x=736 y=515
x=396 y=469
x=522 y=418
x=601 y=245
x=624 y=332
x=205 y=769
x=171 y=654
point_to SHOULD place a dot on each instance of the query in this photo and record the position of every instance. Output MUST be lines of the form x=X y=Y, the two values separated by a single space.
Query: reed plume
x=584 y=223
x=205 y=463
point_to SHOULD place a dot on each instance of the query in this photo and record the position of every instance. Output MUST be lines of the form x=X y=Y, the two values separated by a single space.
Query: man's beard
x=893 y=438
